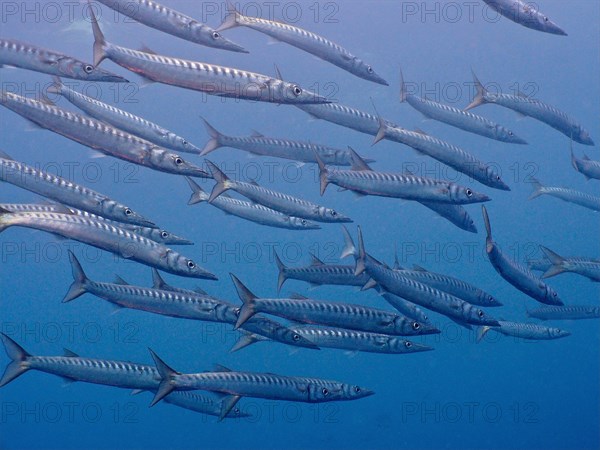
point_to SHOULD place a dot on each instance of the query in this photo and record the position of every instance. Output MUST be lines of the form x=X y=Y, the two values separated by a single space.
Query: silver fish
x=364 y=180
x=208 y=78
x=318 y=273
x=416 y=292
x=107 y=237
x=568 y=195
x=124 y=120
x=122 y=374
x=526 y=14
x=252 y=384
x=515 y=273
x=67 y=192
x=156 y=234
x=278 y=201
x=586 y=166
x=335 y=314
x=30 y=57
x=304 y=40
x=444 y=152
x=350 y=340
x=456 y=214
x=571 y=312
x=100 y=136
x=524 y=331
x=533 y=108
x=259 y=144
x=170 y=21
x=172 y=302
x=250 y=211
x=586 y=267
x=458 y=118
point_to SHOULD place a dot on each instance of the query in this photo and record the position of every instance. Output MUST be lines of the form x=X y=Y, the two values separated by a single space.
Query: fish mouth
x=555 y=29
x=109 y=78
x=197 y=172
x=377 y=79
x=420 y=348
x=480 y=198
x=204 y=274
x=178 y=241
x=490 y=322
x=494 y=304
x=141 y=221
x=365 y=393
x=517 y=140
x=587 y=141
x=231 y=46
x=429 y=329
x=501 y=185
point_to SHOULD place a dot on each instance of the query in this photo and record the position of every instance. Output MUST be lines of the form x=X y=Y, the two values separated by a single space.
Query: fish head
x=289 y=336
x=422 y=328
x=332 y=216
x=298 y=223
x=543 y=23
x=80 y=70
x=218 y=41
x=582 y=136
x=466 y=195
x=123 y=213
x=506 y=135
x=168 y=238
x=488 y=299
x=366 y=71
x=477 y=316
x=182 y=144
x=285 y=92
x=551 y=296
x=186 y=267
x=495 y=180
x=166 y=161
x=334 y=391
x=398 y=345
x=558 y=333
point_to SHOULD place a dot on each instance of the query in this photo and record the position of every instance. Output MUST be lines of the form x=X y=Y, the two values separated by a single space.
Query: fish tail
x=537 y=189
x=232 y=18
x=166 y=374
x=214 y=142
x=489 y=241
x=78 y=288
x=479 y=98
x=360 y=261
x=18 y=355
x=402 y=88
x=248 y=299
x=481 y=332
x=324 y=181
x=221 y=179
x=99 y=40
x=244 y=341
x=282 y=275
x=198 y=194
x=3 y=216
x=557 y=261
x=349 y=247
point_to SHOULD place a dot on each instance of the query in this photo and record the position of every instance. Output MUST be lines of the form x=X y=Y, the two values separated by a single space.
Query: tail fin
x=248 y=299
x=481 y=332
x=245 y=340
x=557 y=261
x=214 y=142
x=489 y=241
x=166 y=374
x=3 y=224
x=18 y=355
x=322 y=173
x=537 y=189
x=221 y=179
x=231 y=19
x=479 y=98
x=360 y=261
x=281 y=267
x=403 y=92
x=77 y=289
x=349 y=248
x=56 y=86
x=99 y=41
x=198 y=194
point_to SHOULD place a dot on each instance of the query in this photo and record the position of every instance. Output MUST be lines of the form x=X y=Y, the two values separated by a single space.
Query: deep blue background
x=501 y=393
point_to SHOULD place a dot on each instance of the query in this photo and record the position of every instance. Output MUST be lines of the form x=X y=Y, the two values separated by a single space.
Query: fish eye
x=357 y=389
x=184 y=142
x=164 y=234
x=296 y=337
x=545 y=19
x=178 y=161
x=416 y=325
x=469 y=192
x=408 y=344
x=191 y=264
x=369 y=69
x=554 y=294
x=216 y=35
x=333 y=213
x=303 y=222
x=480 y=313
x=325 y=392
x=88 y=68
x=497 y=177
x=510 y=133
x=128 y=212
x=236 y=410
x=297 y=91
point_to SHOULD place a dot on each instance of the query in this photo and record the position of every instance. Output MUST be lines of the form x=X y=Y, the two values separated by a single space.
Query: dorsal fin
x=144 y=48
x=278 y=73
x=221 y=368
x=69 y=353
x=199 y=290
x=296 y=296
x=119 y=280
x=5 y=155
x=418 y=130
x=257 y=134
x=253 y=183
x=314 y=261
x=357 y=163
x=418 y=268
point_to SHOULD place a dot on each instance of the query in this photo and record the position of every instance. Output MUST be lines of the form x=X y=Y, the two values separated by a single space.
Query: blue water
x=501 y=393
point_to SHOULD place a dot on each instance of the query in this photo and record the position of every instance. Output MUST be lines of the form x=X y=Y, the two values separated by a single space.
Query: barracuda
x=524 y=331
x=571 y=312
x=568 y=195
